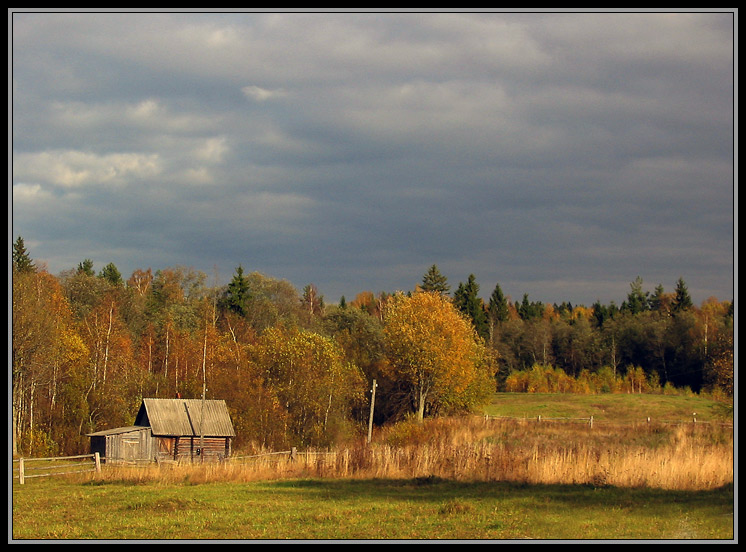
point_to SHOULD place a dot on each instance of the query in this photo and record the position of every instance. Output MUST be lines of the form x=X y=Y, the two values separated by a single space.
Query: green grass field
x=364 y=509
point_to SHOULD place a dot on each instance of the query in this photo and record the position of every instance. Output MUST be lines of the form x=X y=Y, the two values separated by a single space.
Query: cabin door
x=130 y=449
x=166 y=447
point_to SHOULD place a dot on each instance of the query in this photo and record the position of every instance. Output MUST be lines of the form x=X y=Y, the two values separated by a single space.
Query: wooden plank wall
x=213 y=448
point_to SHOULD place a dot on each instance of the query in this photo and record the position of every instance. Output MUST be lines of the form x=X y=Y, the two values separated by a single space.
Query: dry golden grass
x=676 y=457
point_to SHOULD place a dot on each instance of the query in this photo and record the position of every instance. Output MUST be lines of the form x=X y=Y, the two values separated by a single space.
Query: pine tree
x=637 y=299
x=111 y=274
x=435 y=281
x=86 y=267
x=21 y=260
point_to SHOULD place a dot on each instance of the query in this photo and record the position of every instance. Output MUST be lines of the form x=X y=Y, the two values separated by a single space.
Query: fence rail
x=94 y=465
x=591 y=420
x=292 y=454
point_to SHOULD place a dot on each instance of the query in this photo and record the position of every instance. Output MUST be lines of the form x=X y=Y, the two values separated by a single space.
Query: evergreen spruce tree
x=657 y=300
x=21 y=260
x=466 y=300
x=435 y=281
x=498 y=306
x=528 y=310
x=237 y=294
x=682 y=300
x=524 y=308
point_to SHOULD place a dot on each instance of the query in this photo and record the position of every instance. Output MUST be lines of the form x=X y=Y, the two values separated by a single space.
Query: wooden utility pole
x=372 y=404
x=204 y=392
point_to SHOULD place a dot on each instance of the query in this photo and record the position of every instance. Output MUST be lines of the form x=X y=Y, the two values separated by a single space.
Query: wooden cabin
x=181 y=430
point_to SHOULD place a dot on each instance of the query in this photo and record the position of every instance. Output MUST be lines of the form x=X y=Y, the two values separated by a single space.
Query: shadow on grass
x=436 y=490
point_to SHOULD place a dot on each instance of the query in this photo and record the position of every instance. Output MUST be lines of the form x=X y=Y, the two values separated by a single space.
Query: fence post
x=20 y=470
x=590 y=422
x=293 y=454
x=97 y=459
x=539 y=418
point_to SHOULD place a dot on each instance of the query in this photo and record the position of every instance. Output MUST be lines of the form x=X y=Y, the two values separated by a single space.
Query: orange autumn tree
x=435 y=353
x=46 y=350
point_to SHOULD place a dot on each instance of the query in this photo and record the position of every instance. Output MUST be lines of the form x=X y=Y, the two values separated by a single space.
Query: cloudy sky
x=558 y=154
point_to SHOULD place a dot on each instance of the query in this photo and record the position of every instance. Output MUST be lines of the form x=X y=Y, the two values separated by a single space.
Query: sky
x=560 y=155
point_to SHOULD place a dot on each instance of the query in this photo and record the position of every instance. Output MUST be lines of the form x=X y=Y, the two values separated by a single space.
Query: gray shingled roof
x=182 y=417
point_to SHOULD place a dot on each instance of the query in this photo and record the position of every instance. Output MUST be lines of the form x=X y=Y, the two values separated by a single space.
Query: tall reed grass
x=680 y=457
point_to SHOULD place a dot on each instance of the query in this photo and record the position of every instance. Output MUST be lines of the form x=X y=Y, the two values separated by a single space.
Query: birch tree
x=434 y=351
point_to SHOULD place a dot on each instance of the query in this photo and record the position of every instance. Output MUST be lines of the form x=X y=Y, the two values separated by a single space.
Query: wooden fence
x=292 y=454
x=55 y=465
x=590 y=420
x=25 y=468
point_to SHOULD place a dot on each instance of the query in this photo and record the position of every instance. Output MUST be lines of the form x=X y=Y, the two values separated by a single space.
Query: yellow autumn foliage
x=435 y=353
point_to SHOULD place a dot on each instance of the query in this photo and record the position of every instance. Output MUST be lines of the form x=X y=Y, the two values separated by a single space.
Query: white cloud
x=27 y=193
x=260 y=94
x=212 y=150
x=73 y=169
x=151 y=115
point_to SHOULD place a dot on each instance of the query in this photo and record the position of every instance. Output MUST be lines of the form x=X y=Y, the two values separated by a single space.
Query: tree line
x=88 y=347
x=662 y=335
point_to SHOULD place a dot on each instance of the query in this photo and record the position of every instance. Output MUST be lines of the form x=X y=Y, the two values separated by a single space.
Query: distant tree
x=576 y=346
x=141 y=280
x=368 y=302
x=272 y=302
x=312 y=300
x=433 y=280
x=21 y=260
x=497 y=307
x=111 y=274
x=467 y=301
x=682 y=300
x=637 y=299
x=721 y=371
x=659 y=301
x=600 y=313
x=86 y=267
x=528 y=310
x=237 y=294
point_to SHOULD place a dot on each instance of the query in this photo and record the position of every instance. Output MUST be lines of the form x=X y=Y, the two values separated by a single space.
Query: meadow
x=503 y=476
